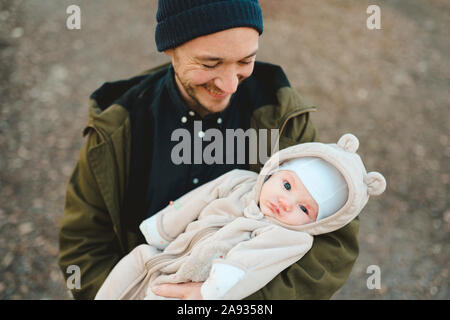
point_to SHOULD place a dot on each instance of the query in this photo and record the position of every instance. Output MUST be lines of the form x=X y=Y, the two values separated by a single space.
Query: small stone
x=436 y=249
x=362 y=94
x=17 y=33
x=437 y=223
x=447 y=216
x=443 y=139
x=433 y=290
x=59 y=72
x=422 y=66
x=7 y=259
x=55 y=275
x=372 y=239
x=67 y=170
x=25 y=228
x=23 y=289
x=419 y=150
x=4 y=15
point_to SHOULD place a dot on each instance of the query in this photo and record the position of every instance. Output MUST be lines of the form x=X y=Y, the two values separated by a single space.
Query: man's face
x=285 y=198
x=209 y=69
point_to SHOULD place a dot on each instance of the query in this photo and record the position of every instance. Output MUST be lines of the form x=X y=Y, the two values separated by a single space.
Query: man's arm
x=86 y=235
x=321 y=272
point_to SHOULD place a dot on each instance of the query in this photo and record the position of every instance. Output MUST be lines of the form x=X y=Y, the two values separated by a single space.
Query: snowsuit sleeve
x=163 y=227
x=251 y=264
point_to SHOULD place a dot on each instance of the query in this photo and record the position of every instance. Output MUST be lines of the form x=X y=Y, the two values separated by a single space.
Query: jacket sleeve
x=251 y=264
x=327 y=266
x=163 y=227
x=86 y=236
x=320 y=273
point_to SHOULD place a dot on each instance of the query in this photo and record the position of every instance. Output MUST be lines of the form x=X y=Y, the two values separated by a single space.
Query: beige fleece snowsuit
x=216 y=234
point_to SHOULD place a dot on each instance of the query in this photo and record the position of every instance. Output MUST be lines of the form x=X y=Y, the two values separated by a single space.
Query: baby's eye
x=287 y=185
x=303 y=208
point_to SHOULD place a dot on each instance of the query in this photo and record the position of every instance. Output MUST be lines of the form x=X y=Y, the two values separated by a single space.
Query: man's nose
x=285 y=204
x=228 y=81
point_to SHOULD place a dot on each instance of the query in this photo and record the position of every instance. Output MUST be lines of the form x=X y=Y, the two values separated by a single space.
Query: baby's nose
x=285 y=204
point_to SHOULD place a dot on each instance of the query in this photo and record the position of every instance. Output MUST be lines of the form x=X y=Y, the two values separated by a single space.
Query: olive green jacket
x=92 y=237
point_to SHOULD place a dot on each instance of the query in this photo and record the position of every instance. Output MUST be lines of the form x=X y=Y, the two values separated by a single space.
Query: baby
x=237 y=232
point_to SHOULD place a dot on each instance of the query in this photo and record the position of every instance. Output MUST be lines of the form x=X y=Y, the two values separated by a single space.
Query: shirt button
x=201 y=134
x=195 y=181
x=219 y=120
x=191 y=113
x=183 y=119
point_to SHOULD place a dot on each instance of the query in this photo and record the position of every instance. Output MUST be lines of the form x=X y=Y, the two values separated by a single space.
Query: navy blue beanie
x=182 y=20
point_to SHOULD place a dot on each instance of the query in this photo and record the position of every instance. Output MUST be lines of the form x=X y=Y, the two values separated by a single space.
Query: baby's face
x=285 y=198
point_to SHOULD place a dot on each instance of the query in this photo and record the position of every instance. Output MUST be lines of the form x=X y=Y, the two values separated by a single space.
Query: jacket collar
x=267 y=87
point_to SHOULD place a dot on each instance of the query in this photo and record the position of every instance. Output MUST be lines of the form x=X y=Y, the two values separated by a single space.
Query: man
x=126 y=171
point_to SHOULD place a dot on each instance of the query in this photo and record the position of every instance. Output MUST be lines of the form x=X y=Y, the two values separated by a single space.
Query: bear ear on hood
x=376 y=183
x=349 y=143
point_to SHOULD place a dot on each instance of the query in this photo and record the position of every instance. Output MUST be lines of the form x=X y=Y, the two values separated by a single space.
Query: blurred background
x=390 y=87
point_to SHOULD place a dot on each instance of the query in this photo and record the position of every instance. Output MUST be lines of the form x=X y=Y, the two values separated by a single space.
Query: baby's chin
x=265 y=210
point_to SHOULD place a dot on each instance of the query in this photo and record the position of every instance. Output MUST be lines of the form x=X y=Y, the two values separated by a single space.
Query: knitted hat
x=182 y=20
x=322 y=180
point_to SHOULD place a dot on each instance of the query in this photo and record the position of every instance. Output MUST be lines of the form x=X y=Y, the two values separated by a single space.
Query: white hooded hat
x=341 y=156
x=322 y=180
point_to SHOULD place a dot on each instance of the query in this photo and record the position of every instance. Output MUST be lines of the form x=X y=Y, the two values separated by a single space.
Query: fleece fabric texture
x=216 y=234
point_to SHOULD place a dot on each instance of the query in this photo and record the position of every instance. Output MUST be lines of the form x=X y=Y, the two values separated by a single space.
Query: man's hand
x=184 y=291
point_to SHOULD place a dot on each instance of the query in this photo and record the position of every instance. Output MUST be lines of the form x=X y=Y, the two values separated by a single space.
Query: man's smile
x=215 y=93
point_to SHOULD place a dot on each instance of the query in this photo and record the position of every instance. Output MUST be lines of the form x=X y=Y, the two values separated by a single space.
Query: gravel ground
x=388 y=86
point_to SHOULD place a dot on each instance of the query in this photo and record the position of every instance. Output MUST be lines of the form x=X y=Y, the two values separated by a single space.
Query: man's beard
x=191 y=92
x=189 y=89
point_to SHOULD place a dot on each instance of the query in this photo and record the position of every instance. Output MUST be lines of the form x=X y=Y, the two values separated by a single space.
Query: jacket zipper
x=164 y=257
x=130 y=293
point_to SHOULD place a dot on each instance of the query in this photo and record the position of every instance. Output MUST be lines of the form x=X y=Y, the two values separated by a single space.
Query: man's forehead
x=209 y=56
x=231 y=44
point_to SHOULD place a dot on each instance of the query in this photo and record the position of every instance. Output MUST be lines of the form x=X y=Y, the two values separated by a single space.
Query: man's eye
x=287 y=186
x=245 y=62
x=209 y=67
x=303 y=208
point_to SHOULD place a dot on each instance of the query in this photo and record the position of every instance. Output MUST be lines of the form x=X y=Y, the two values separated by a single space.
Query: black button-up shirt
x=168 y=180
x=156 y=112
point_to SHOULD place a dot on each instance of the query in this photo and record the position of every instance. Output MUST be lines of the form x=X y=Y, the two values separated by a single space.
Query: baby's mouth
x=274 y=208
